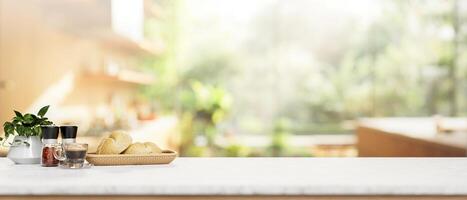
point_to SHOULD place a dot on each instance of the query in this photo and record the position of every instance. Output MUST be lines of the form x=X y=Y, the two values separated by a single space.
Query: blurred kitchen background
x=245 y=77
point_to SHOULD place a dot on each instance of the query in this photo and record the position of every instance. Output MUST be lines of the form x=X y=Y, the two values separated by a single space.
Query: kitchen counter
x=411 y=137
x=245 y=177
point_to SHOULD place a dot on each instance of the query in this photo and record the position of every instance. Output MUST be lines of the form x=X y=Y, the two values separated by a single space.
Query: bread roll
x=143 y=148
x=116 y=143
x=137 y=148
x=154 y=148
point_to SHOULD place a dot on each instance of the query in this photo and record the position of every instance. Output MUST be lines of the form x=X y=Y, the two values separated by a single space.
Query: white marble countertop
x=246 y=176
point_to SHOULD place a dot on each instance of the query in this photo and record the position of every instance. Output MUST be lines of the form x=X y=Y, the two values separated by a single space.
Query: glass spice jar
x=49 y=143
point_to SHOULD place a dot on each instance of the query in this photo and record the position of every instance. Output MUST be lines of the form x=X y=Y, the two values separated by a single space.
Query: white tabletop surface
x=246 y=176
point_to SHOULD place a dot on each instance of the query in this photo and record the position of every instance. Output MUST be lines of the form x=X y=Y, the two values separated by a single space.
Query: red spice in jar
x=48 y=159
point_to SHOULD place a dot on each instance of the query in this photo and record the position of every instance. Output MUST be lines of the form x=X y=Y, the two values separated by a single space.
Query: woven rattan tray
x=166 y=157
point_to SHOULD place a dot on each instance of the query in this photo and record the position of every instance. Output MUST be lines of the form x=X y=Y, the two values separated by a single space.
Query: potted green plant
x=26 y=129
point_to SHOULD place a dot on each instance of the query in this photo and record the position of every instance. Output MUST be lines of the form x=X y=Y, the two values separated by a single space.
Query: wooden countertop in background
x=411 y=137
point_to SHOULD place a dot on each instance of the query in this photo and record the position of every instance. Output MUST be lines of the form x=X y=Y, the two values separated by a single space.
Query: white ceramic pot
x=25 y=150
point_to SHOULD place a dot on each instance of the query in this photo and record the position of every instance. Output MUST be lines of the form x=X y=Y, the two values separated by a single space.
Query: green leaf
x=42 y=120
x=9 y=128
x=15 y=121
x=28 y=119
x=29 y=132
x=37 y=120
x=37 y=130
x=23 y=131
x=20 y=130
x=43 y=111
x=47 y=123
x=18 y=114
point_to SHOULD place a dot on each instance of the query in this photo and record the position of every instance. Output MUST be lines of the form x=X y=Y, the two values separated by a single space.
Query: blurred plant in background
x=279 y=137
x=204 y=107
x=268 y=72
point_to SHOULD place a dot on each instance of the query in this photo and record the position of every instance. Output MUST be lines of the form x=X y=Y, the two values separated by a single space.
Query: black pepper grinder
x=68 y=134
x=49 y=142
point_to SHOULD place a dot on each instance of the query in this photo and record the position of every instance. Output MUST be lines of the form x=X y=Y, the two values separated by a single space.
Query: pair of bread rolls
x=120 y=142
x=142 y=148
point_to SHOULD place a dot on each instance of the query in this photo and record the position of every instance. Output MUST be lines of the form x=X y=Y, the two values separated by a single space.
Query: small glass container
x=49 y=143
